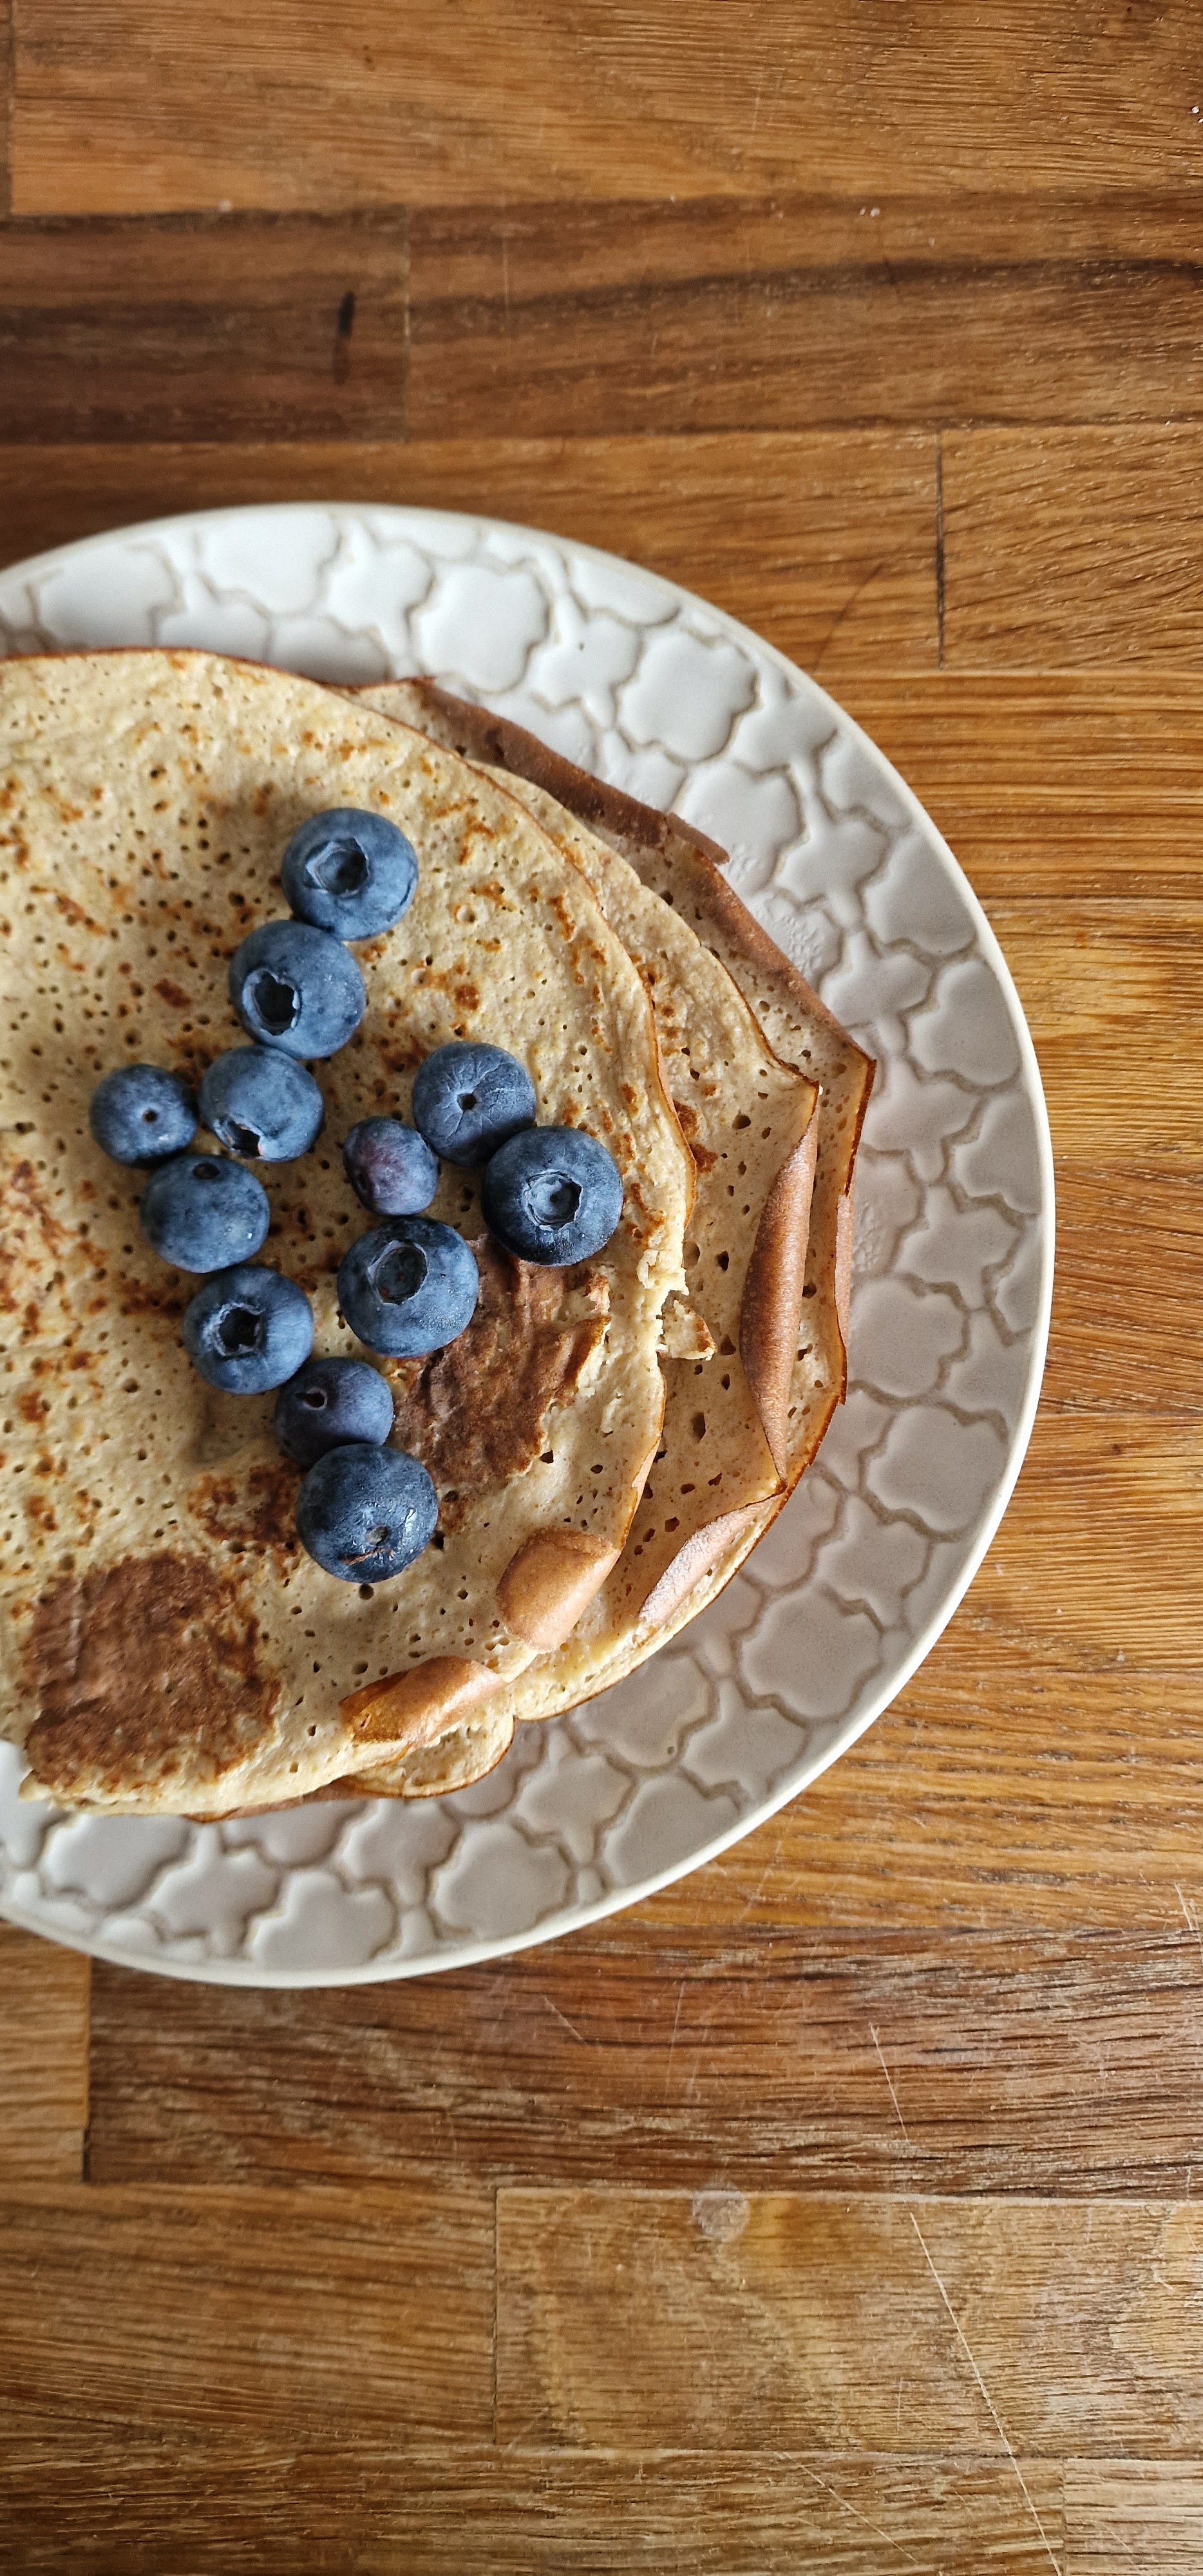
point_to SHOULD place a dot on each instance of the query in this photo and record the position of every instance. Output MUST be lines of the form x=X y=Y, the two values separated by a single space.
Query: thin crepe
x=660 y=888
x=166 y=1645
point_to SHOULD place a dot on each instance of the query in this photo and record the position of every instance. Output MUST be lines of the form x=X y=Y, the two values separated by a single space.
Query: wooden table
x=836 y=2210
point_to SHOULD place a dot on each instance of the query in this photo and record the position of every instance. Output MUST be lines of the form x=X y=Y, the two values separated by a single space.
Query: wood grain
x=1128 y=1333
x=132 y=109
x=1136 y=2515
x=6 y=89
x=585 y=319
x=717 y=2056
x=592 y=320
x=1095 y=980
x=466 y=2510
x=87 y=2495
x=1043 y=2326
x=1072 y=546
x=43 y=2060
x=311 y=2310
x=1067 y=785
x=828 y=542
x=221 y=329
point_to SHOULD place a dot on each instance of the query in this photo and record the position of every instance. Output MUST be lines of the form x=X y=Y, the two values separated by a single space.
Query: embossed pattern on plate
x=668 y=697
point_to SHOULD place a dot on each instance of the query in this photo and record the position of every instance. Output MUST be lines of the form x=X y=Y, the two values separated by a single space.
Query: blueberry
x=327 y=1404
x=248 y=1329
x=350 y=872
x=552 y=1195
x=141 y=1115
x=262 y=1104
x=408 y=1287
x=390 y=1167
x=202 y=1212
x=468 y=1099
x=297 y=989
x=364 y=1514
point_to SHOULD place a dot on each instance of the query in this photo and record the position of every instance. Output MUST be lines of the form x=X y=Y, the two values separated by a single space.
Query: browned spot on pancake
x=38 y=1256
x=400 y=1058
x=25 y=1207
x=144 y=1297
x=73 y=912
x=32 y=1405
x=141 y=1669
x=257 y=1510
x=455 y=982
x=688 y=1120
x=474 y=1413
x=173 y=993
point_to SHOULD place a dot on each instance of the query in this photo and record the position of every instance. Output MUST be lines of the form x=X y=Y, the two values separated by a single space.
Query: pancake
x=706 y=963
x=167 y=1646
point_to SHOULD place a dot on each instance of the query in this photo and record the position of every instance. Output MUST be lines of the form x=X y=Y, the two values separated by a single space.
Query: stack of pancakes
x=607 y=1442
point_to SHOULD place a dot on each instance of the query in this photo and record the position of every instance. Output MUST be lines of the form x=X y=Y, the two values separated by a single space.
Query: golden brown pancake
x=768 y=1263
x=166 y=1644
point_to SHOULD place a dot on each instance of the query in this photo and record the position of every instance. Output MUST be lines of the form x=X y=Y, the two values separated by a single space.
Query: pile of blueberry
x=549 y=1194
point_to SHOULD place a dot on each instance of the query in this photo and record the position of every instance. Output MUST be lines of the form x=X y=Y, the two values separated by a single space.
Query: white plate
x=665 y=696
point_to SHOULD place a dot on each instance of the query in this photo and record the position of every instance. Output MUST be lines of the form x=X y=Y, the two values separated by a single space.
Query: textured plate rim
x=470 y=1953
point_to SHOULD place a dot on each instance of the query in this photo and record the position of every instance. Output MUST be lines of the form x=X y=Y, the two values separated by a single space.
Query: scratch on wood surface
x=676 y=2026
x=996 y=2418
x=858 y=2516
x=856 y=593
x=568 y=2025
x=757 y=1892
x=890 y=2081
